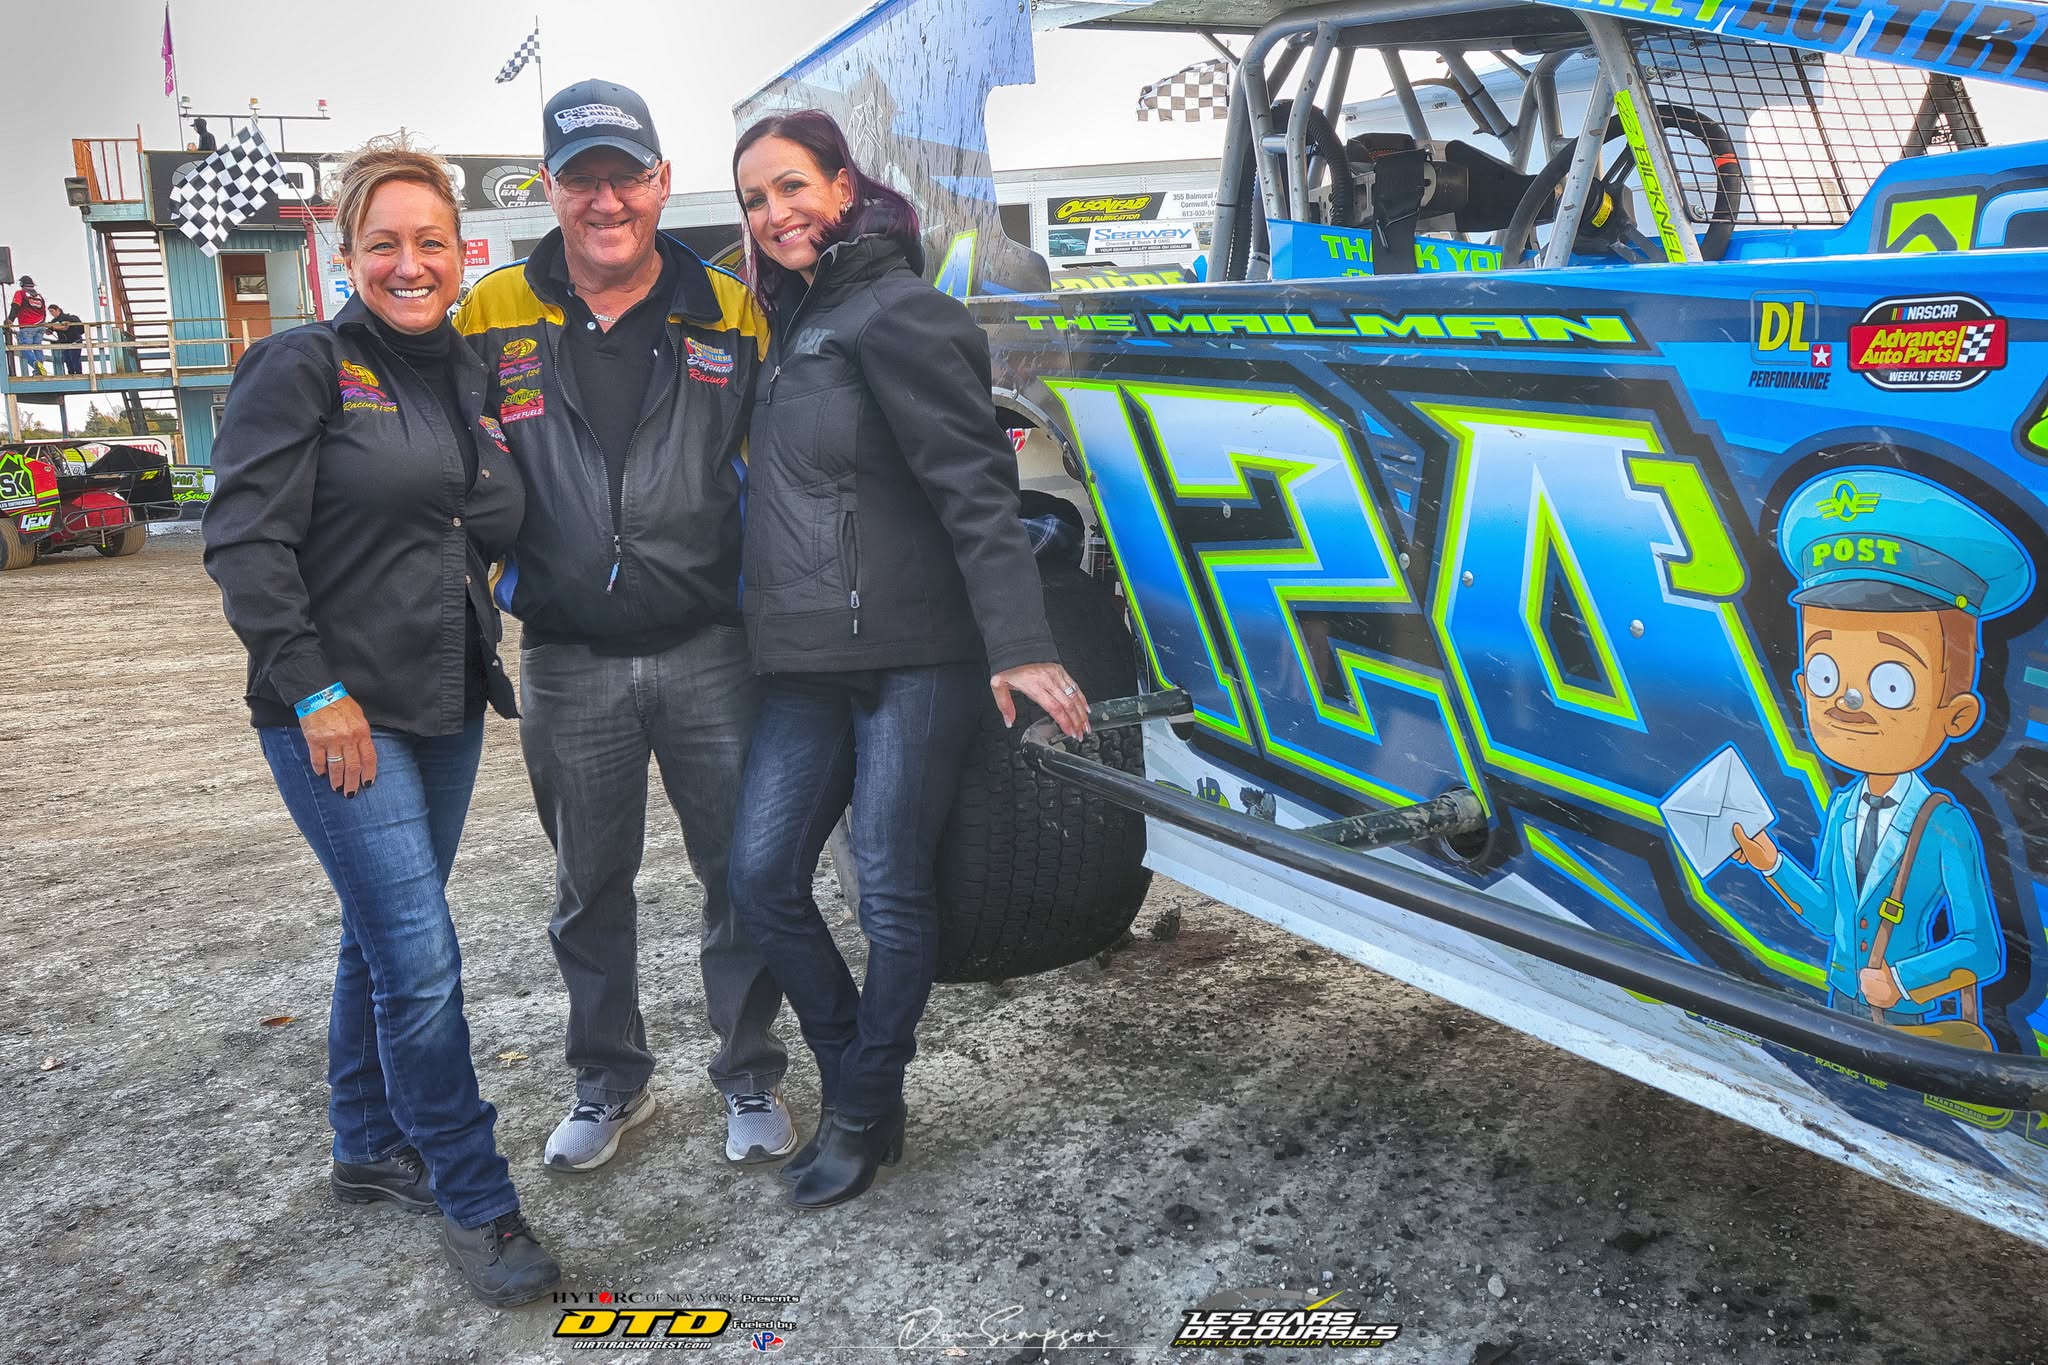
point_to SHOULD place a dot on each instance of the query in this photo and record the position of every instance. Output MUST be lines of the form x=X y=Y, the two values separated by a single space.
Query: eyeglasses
x=624 y=186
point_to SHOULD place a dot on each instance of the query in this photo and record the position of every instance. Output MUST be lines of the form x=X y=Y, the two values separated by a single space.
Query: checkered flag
x=1193 y=92
x=1976 y=343
x=226 y=188
x=516 y=63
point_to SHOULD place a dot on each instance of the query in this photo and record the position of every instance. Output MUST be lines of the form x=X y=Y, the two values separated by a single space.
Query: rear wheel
x=127 y=542
x=1032 y=874
x=15 y=552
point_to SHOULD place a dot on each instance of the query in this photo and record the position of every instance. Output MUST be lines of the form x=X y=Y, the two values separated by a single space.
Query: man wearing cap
x=26 y=313
x=623 y=366
x=1895 y=574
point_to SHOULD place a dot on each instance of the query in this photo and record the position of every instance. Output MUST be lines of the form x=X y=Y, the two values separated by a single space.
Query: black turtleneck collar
x=429 y=347
x=433 y=347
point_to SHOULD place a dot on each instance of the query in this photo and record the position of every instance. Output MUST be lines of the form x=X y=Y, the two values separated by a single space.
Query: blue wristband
x=326 y=696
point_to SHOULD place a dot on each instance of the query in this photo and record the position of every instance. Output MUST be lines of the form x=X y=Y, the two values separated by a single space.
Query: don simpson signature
x=924 y=1326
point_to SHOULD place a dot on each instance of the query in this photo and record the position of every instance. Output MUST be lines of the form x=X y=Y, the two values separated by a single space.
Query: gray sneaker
x=757 y=1128
x=590 y=1135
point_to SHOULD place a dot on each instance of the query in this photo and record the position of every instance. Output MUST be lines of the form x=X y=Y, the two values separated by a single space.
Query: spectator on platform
x=203 y=140
x=26 y=315
x=69 y=333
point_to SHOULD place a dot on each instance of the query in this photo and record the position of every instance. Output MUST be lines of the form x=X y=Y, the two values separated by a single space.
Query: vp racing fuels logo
x=1950 y=341
x=360 y=391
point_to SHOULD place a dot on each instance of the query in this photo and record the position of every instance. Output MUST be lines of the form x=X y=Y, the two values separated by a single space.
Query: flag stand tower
x=540 y=75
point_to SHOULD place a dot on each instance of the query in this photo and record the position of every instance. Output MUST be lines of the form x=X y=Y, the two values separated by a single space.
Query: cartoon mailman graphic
x=1895 y=573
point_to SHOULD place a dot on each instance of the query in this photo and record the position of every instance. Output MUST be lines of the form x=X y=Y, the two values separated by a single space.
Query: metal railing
x=110 y=351
x=111 y=167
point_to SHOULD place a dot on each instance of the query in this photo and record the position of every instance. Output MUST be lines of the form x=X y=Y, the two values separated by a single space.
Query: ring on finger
x=1067 y=691
x=333 y=760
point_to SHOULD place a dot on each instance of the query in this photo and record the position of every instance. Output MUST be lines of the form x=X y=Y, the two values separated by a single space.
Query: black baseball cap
x=597 y=114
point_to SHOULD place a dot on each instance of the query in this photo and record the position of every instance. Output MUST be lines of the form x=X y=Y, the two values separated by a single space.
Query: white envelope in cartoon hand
x=1702 y=810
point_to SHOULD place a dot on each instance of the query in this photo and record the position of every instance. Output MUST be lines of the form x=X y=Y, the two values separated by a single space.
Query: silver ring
x=333 y=759
x=1066 y=691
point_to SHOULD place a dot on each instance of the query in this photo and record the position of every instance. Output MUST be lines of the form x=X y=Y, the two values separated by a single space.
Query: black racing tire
x=15 y=552
x=130 y=541
x=1032 y=874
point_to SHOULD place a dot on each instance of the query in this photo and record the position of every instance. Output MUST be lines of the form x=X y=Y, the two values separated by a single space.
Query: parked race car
x=1583 y=552
x=67 y=495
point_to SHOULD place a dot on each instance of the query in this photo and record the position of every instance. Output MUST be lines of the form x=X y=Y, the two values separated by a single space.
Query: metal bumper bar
x=1992 y=1080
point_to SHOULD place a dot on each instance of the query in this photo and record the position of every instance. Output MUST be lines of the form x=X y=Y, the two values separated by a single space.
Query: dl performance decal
x=1947 y=342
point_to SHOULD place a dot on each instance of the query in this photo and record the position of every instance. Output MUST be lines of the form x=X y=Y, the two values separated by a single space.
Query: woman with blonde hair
x=360 y=492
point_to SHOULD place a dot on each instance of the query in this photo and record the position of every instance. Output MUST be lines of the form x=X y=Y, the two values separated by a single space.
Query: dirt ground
x=1092 y=1151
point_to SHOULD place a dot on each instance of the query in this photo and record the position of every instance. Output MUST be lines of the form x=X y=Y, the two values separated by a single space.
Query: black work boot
x=400 y=1179
x=848 y=1154
x=502 y=1261
x=805 y=1154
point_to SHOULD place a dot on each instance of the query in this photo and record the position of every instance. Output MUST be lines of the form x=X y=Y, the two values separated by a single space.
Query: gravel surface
x=1093 y=1151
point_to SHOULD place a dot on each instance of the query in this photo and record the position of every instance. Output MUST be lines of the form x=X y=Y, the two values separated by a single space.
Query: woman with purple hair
x=887 y=581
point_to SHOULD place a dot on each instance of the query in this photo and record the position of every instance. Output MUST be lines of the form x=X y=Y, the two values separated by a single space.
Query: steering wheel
x=1606 y=226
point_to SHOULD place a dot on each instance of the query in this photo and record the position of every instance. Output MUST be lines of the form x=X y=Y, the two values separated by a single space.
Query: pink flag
x=170 y=58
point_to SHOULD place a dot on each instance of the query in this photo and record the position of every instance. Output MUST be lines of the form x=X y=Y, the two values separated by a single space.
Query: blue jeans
x=591 y=723
x=896 y=754
x=30 y=339
x=398 y=1066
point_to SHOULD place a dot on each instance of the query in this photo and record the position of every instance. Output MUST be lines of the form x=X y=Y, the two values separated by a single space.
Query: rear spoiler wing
x=1998 y=40
x=2006 y=41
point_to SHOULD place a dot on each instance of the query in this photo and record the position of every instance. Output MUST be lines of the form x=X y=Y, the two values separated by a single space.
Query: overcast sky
x=429 y=64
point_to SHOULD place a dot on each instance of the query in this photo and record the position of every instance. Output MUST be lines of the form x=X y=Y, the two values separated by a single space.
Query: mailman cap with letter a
x=1884 y=540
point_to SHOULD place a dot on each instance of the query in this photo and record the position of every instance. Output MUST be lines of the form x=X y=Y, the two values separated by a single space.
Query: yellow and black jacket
x=664 y=562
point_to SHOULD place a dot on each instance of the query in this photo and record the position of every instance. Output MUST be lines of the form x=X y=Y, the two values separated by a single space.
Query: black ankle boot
x=847 y=1156
x=801 y=1162
x=400 y=1179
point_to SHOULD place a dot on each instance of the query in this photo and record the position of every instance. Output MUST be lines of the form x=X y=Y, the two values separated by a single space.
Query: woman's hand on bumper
x=1050 y=686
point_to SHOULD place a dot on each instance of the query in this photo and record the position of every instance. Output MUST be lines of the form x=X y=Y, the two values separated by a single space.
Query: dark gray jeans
x=590 y=723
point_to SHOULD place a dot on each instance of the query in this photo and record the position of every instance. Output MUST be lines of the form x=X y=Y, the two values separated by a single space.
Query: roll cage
x=1709 y=118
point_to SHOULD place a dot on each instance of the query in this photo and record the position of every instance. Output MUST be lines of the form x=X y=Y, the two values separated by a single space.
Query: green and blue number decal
x=1582 y=613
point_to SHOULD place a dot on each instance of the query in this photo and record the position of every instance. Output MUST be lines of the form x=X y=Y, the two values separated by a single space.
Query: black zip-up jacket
x=882 y=525
x=662 y=564
x=347 y=539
